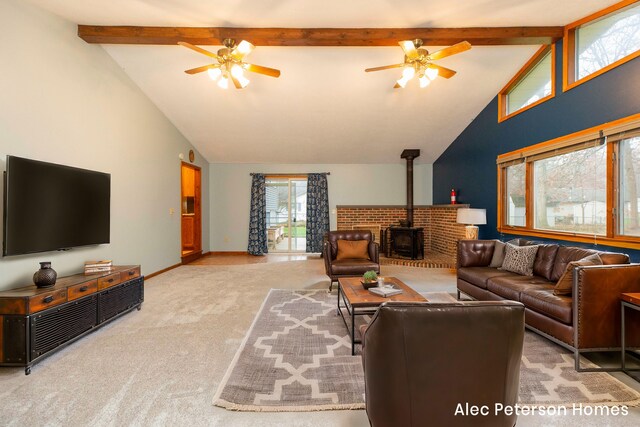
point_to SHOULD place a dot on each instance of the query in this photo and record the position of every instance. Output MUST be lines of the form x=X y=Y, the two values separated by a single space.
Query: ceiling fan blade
x=243 y=49
x=442 y=71
x=451 y=50
x=385 y=67
x=271 y=72
x=236 y=83
x=199 y=69
x=409 y=49
x=198 y=49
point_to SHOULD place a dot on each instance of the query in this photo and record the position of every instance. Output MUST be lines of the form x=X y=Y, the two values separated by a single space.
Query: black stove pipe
x=409 y=155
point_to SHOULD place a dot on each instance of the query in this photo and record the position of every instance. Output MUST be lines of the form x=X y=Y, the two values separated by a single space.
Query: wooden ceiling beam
x=488 y=36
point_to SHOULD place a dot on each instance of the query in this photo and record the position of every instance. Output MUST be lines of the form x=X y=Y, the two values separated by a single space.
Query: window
x=569 y=192
x=581 y=187
x=286 y=211
x=601 y=42
x=629 y=224
x=515 y=195
x=533 y=85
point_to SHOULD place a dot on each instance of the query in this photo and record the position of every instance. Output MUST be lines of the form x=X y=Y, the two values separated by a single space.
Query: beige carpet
x=160 y=366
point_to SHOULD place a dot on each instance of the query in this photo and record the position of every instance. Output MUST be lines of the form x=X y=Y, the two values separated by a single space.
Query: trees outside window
x=516 y=209
x=629 y=175
x=570 y=192
x=604 y=41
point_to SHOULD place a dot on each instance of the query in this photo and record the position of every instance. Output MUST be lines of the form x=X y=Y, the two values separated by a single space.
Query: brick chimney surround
x=441 y=231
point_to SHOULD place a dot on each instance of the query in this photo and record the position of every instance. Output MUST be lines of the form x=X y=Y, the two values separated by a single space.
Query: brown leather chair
x=422 y=361
x=349 y=267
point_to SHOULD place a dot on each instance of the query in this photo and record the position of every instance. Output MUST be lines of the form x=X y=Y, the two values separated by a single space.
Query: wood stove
x=404 y=239
x=406 y=242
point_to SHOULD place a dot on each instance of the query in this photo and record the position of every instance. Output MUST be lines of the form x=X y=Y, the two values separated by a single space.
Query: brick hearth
x=441 y=232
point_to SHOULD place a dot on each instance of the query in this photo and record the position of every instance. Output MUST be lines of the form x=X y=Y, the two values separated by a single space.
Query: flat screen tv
x=53 y=207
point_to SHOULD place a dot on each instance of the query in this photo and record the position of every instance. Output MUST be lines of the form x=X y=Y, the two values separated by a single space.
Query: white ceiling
x=324 y=108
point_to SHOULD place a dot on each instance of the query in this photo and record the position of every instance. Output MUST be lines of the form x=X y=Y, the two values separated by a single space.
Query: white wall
x=360 y=184
x=65 y=101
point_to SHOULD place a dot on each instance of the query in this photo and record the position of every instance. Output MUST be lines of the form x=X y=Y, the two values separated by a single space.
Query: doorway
x=190 y=212
x=286 y=203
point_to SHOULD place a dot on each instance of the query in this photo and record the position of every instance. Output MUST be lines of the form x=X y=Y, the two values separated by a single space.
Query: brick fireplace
x=441 y=231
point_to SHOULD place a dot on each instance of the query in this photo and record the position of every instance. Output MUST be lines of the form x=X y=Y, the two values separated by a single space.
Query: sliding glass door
x=286 y=200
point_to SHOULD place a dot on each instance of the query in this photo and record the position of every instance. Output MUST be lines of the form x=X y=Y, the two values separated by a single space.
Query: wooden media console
x=36 y=322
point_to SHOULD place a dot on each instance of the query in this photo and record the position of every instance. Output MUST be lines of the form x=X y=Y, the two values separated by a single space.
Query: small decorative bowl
x=368 y=285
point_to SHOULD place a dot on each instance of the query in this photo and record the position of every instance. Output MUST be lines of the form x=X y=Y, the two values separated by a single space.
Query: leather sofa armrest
x=326 y=251
x=596 y=302
x=374 y=252
x=475 y=253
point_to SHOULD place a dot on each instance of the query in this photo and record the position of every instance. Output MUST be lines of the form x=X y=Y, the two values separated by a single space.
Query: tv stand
x=37 y=322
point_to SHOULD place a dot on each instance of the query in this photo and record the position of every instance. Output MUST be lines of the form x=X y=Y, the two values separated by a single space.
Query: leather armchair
x=423 y=360
x=349 y=267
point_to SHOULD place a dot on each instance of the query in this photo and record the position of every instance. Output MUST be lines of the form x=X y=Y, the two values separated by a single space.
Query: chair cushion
x=498 y=255
x=565 y=255
x=353 y=249
x=511 y=286
x=565 y=284
x=543 y=265
x=479 y=275
x=542 y=300
x=520 y=259
x=334 y=236
x=353 y=267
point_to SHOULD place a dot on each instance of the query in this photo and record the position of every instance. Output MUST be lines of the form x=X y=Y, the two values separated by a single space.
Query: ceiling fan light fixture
x=431 y=73
x=231 y=65
x=236 y=71
x=402 y=82
x=214 y=73
x=223 y=82
x=244 y=48
x=424 y=81
x=407 y=45
x=408 y=73
x=244 y=82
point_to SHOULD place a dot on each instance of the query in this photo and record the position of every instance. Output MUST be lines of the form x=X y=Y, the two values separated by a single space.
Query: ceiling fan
x=418 y=61
x=230 y=64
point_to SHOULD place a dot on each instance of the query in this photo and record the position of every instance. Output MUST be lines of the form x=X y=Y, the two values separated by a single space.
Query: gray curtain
x=258 y=217
x=317 y=211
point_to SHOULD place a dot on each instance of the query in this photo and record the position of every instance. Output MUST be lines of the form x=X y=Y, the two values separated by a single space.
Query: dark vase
x=46 y=276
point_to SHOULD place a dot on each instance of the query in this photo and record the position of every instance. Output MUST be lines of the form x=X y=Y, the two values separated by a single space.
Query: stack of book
x=385 y=291
x=92 y=267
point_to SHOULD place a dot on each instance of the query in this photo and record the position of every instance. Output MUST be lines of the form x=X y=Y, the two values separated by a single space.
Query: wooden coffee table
x=358 y=301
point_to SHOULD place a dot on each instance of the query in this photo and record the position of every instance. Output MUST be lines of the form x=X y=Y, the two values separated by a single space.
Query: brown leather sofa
x=587 y=320
x=422 y=361
x=349 y=267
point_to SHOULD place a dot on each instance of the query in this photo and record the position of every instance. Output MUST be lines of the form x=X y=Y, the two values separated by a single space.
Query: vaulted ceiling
x=323 y=108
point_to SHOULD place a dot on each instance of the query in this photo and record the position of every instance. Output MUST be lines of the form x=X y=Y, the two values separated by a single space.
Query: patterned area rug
x=297 y=357
x=548 y=377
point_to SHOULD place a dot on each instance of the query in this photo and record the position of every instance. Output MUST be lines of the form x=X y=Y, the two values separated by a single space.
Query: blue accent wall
x=469 y=163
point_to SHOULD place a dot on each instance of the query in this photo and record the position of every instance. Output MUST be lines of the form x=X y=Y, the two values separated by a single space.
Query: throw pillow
x=565 y=284
x=519 y=259
x=514 y=242
x=498 y=254
x=353 y=249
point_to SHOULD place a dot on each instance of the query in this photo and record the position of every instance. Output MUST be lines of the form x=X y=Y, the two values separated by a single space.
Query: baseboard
x=159 y=272
x=191 y=257
x=228 y=253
